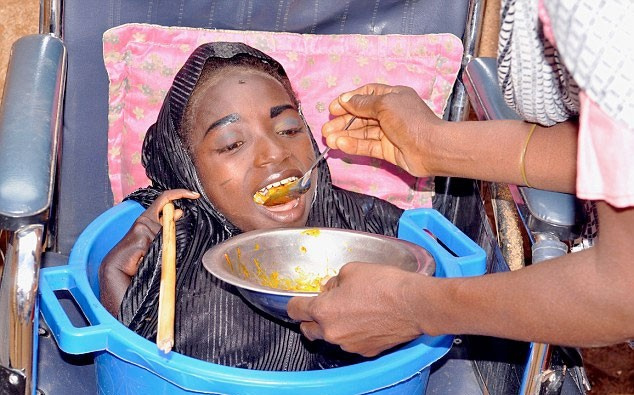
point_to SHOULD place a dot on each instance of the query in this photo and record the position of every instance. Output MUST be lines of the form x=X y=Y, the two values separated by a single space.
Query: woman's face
x=247 y=135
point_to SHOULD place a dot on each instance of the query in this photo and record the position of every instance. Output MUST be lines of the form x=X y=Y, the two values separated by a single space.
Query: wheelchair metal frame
x=32 y=235
x=27 y=221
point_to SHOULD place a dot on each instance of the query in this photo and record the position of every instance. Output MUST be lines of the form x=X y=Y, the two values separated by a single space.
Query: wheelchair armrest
x=546 y=211
x=30 y=122
x=481 y=83
x=553 y=212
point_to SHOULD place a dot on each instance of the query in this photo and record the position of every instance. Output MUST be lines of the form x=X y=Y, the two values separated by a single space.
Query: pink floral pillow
x=141 y=61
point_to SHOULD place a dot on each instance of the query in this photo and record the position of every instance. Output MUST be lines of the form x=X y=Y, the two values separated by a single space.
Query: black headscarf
x=213 y=322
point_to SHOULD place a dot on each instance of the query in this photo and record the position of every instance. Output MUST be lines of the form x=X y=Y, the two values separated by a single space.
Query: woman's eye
x=231 y=147
x=289 y=132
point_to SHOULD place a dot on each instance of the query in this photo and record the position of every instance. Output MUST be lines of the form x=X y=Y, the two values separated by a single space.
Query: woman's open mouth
x=277 y=188
x=283 y=211
x=283 y=207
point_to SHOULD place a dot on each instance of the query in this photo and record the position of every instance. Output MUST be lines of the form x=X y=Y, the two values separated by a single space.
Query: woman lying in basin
x=229 y=127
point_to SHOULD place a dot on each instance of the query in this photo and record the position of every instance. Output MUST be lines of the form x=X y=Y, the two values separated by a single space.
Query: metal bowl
x=271 y=266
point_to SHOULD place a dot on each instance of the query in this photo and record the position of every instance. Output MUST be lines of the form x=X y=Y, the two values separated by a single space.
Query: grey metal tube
x=51 y=17
x=536 y=368
x=548 y=249
x=537 y=373
x=18 y=293
x=471 y=42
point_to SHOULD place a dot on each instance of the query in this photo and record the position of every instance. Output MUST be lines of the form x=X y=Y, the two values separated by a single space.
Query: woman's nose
x=269 y=151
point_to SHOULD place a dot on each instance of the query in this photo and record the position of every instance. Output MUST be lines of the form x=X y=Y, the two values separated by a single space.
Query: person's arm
x=491 y=151
x=395 y=124
x=122 y=262
x=581 y=299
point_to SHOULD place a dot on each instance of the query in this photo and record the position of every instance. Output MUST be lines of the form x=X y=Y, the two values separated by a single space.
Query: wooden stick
x=167 y=292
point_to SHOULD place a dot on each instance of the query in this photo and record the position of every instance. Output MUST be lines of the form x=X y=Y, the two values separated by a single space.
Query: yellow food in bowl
x=303 y=282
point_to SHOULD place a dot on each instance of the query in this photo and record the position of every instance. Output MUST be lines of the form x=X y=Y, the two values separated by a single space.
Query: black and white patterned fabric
x=596 y=40
x=534 y=81
x=541 y=79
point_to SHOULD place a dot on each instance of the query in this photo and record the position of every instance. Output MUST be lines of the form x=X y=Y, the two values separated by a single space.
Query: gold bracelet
x=522 y=163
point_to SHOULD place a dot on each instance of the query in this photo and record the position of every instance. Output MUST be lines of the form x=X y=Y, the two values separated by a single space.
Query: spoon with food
x=294 y=189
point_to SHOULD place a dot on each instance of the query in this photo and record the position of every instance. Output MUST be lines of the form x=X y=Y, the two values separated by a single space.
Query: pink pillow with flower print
x=141 y=61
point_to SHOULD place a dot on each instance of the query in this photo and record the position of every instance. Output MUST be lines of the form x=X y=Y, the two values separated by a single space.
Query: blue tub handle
x=70 y=338
x=466 y=257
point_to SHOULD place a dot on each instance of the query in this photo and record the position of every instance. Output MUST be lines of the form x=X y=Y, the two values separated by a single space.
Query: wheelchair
x=54 y=176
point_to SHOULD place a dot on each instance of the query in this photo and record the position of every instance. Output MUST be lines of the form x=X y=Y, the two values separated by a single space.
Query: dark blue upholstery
x=84 y=190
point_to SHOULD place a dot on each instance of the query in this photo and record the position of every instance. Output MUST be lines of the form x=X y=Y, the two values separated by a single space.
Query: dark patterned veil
x=213 y=322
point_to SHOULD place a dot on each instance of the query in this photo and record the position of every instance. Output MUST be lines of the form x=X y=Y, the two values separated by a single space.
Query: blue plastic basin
x=128 y=363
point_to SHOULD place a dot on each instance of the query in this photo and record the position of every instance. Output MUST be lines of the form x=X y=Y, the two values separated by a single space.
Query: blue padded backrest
x=84 y=189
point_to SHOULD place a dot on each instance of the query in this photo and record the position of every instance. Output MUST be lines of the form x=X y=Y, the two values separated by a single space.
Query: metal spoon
x=294 y=189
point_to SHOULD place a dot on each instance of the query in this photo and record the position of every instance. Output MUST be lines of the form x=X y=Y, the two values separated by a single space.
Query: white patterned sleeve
x=594 y=40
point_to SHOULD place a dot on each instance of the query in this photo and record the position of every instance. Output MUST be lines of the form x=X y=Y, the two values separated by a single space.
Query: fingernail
x=345 y=97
